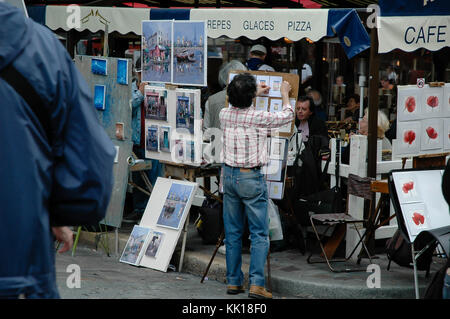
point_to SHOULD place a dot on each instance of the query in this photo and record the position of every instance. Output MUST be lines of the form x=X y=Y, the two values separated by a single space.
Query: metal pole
x=373 y=105
x=416 y=279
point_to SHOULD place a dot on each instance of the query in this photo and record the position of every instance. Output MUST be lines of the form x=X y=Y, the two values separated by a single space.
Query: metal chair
x=357 y=186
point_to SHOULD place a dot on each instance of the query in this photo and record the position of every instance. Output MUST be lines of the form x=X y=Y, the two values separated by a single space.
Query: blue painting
x=122 y=71
x=175 y=206
x=185 y=111
x=157 y=51
x=99 y=97
x=152 y=138
x=189 y=56
x=99 y=66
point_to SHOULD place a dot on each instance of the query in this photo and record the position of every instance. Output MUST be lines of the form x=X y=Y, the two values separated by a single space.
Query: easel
x=424 y=161
x=189 y=173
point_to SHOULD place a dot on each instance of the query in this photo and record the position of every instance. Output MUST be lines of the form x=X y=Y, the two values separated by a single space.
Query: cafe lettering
x=422 y=35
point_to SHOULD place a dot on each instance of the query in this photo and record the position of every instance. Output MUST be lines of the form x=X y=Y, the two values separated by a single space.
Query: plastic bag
x=275 y=230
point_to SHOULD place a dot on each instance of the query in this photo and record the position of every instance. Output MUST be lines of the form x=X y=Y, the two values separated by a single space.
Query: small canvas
x=99 y=66
x=155 y=103
x=133 y=251
x=406 y=185
x=122 y=71
x=263 y=80
x=174 y=206
x=99 y=97
x=276 y=190
x=432 y=134
x=408 y=103
x=261 y=103
x=189 y=53
x=408 y=137
x=164 y=139
x=274 y=170
x=178 y=151
x=152 y=141
x=156 y=51
x=276 y=105
x=120 y=131
x=155 y=241
x=432 y=101
x=277 y=147
x=275 y=86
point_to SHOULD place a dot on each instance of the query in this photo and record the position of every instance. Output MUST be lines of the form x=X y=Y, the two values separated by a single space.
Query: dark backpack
x=399 y=251
x=210 y=222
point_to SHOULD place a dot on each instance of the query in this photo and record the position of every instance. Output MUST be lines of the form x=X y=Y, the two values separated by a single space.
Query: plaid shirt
x=245 y=134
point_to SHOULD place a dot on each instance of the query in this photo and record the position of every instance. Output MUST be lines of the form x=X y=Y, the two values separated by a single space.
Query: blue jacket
x=66 y=183
x=137 y=99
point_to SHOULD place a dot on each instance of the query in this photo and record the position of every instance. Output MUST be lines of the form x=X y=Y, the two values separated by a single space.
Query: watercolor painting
x=152 y=141
x=432 y=134
x=408 y=103
x=189 y=53
x=275 y=86
x=261 y=103
x=100 y=97
x=133 y=249
x=174 y=206
x=157 y=51
x=408 y=136
x=155 y=241
x=164 y=139
x=185 y=111
x=155 y=103
x=432 y=101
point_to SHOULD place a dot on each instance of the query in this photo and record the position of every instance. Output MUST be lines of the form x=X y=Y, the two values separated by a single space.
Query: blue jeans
x=446 y=287
x=245 y=195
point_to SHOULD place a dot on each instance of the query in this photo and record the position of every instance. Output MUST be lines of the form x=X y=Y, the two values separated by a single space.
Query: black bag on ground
x=434 y=288
x=398 y=249
x=210 y=222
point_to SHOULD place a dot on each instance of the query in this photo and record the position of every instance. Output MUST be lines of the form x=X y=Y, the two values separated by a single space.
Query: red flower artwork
x=431 y=133
x=418 y=219
x=410 y=104
x=433 y=101
x=407 y=187
x=409 y=137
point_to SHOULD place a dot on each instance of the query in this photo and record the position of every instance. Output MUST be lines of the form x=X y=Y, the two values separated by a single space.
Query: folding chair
x=357 y=186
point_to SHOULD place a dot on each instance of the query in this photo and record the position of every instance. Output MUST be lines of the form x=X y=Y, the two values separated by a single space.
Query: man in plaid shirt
x=245 y=191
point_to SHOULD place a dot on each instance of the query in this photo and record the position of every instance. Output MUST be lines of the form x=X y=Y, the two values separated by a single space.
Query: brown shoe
x=259 y=292
x=234 y=290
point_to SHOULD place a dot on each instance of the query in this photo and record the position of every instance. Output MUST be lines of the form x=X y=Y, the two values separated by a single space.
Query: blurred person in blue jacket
x=138 y=136
x=56 y=167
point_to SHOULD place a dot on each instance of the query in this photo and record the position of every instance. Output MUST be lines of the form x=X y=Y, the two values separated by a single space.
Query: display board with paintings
x=423 y=120
x=173 y=125
x=272 y=101
x=174 y=52
x=110 y=82
x=154 y=241
x=418 y=200
x=275 y=170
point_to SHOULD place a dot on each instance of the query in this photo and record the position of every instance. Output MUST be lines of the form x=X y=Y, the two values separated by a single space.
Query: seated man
x=306 y=122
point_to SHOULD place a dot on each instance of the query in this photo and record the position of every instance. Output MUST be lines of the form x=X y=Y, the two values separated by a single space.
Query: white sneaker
x=222 y=250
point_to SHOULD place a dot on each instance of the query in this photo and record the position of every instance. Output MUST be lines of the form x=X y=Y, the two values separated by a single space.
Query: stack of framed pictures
x=152 y=243
x=275 y=170
x=173 y=125
x=272 y=101
x=423 y=121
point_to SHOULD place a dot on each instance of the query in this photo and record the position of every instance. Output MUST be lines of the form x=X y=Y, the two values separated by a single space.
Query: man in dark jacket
x=56 y=159
x=306 y=122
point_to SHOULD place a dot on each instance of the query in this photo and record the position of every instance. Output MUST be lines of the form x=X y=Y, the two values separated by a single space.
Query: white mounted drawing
x=134 y=248
x=432 y=101
x=432 y=134
x=408 y=137
x=408 y=103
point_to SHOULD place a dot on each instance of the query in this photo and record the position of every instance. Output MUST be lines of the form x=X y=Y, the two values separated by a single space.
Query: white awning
x=409 y=33
x=274 y=24
x=94 y=19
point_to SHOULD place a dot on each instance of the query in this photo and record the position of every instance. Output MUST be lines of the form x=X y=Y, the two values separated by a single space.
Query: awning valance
x=410 y=25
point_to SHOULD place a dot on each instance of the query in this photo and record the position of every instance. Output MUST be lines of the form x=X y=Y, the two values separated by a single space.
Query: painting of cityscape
x=185 y=111
x=189 y=53
x=164 y=139
x=133 y=250
x=155 y=241
x=152 y=138
x=155 y=103
x=175 y=205
x=156 y=51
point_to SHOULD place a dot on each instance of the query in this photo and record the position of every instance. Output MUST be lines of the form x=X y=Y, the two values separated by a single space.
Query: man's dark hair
x=242 y=90
x=305 y=98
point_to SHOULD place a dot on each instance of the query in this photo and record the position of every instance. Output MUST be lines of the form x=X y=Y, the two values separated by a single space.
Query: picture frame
x=156 y=103
x=164 y=138
x=152 y=138
x=185 y=111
